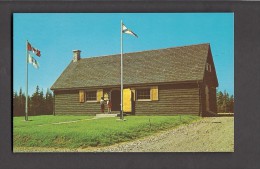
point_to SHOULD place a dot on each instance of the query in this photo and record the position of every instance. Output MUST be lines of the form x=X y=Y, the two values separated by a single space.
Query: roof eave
x=130 y=85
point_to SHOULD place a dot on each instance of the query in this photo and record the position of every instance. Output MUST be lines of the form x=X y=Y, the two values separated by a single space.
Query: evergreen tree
x=21 y=103
x=49 y=102
x=18 y=103
x=219 y=101
x=35 y=101
x=29 y=104
x=23 y=100
x=38 y=104
x=225 y=103
x=231 y=104
x=41 y=109
x=15 y=104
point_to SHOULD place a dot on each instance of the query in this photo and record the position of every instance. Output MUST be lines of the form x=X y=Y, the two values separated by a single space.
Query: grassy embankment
x=43 y=131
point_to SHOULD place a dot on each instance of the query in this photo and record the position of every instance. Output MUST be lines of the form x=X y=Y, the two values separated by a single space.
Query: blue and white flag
x=128 y=31
x=33 y=61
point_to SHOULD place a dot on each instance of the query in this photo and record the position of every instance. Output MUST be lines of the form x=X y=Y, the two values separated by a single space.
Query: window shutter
x=154 y=93
x=99 y=94
x=81 y=96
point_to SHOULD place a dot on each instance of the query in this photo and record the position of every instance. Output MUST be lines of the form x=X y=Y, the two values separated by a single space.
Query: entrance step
x=116 y=112
x=105 y=115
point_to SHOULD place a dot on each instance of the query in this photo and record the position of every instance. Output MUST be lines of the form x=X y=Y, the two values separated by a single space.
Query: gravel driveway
x=211 y=134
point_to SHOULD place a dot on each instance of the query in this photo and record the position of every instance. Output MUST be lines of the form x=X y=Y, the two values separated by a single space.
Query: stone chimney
x=76 y=55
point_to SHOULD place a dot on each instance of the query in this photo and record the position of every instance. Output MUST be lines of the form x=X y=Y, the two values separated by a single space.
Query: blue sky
x=57 y=34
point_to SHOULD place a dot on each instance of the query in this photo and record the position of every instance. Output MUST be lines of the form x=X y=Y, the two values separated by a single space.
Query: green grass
x=40 y=132
x=45 y=119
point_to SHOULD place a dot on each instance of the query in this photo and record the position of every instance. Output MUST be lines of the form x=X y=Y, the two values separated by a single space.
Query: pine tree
x=35 y=102
x=49 y=102
x=219 y=101
x=38 y=104
x=231 y=104
x=15 y=104
x=225 y=103
x=18 y=103
x=21 y=104
x=41 y=109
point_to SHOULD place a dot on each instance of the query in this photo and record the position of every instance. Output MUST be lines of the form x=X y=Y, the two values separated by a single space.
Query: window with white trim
x=91 y=95
x=143 y=94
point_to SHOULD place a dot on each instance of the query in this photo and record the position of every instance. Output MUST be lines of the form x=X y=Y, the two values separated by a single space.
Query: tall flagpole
x=122 y=113
x=26 y=83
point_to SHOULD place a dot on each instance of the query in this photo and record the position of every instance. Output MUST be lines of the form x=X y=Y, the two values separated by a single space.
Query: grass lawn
x=83 y=131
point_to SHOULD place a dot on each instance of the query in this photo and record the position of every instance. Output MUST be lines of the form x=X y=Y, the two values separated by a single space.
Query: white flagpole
x=26 y=84
x=122 y=113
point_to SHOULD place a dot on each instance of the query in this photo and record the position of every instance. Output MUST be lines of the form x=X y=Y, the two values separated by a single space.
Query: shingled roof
x=176 y=64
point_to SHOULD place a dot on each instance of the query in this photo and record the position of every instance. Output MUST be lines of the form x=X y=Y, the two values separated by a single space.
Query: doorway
x=116 y=100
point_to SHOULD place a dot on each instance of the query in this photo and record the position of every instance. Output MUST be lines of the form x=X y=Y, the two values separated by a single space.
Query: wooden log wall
x=67 y=102
x=173 y=99
x=212 y=100
x=202 y=99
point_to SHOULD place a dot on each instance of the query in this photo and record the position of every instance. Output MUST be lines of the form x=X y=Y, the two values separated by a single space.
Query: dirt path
x=66 y=122
x=211 y=134
x=207 y=135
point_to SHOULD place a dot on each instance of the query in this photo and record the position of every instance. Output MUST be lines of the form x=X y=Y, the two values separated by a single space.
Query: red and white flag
x=36 y=51
x=29 y=46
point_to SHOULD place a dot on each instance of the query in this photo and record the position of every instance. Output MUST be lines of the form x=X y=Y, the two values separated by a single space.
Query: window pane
x=143 y=94
x=91 y=95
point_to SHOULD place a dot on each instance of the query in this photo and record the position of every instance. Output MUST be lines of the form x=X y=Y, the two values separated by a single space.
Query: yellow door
x=127 y=100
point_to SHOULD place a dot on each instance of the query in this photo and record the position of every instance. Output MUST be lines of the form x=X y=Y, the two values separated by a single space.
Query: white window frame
x=86 y=94
x=146 y=88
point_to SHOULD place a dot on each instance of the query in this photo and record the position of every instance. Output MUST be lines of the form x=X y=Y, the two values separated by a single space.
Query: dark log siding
x=203 y=99
x=212 y=100
x=173 y=99
x=67 y=102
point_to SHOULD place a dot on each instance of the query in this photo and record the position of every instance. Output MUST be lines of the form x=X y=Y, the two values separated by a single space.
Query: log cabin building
x=178 y=80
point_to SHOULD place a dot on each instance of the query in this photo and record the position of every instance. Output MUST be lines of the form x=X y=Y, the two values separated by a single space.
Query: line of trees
x=225 y=102
x=38 y=103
